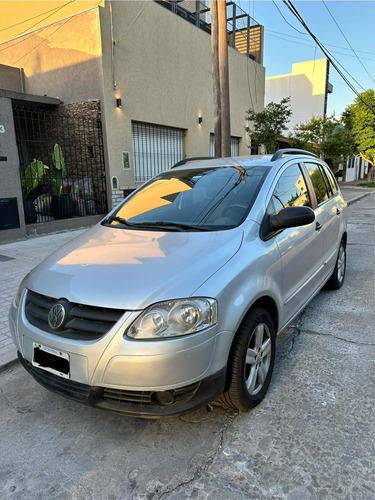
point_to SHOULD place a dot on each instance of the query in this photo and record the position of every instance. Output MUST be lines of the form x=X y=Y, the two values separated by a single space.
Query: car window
x=319 y=182
x=331 y=180
x=205 y=198
x=290 y=191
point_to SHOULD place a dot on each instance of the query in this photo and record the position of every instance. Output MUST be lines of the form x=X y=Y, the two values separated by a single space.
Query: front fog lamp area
x=174 y=318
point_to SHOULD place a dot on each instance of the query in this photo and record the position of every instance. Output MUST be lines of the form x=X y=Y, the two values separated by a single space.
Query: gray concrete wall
x=10 y=186
x=12 y=78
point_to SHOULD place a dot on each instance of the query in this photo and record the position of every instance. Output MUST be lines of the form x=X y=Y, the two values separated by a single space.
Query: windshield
x=192 y=199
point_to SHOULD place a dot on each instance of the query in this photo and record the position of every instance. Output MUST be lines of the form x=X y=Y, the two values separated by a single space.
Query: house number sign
x=2 y=129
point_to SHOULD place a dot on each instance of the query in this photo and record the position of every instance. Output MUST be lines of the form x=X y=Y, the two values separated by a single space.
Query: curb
x=357 y=198
x=8 y=360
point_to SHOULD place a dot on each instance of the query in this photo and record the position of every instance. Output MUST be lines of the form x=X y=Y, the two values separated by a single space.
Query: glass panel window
x=320 y=187
x=290 y=191
x=193 y=199
x=331 y=180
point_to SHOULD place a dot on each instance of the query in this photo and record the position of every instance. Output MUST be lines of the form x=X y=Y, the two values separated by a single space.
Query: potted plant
x=62 y=204
x=30 y=180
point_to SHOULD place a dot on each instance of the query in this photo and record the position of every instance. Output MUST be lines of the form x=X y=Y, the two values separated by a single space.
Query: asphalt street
x=311 y=438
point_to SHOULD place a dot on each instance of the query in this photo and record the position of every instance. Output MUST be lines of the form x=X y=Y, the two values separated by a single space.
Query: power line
x=347 y=41
x=295 y=12
x=287 y=22
x=29 y=19
x=329 y=44
x=55 y=11
x=311 y=46
x=36 y=46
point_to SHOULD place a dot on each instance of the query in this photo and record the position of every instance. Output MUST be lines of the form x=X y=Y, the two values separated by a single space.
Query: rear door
x=327 y=213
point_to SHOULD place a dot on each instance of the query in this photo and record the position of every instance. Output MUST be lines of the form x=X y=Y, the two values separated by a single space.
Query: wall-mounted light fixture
x=118 y=103
x=200 y=120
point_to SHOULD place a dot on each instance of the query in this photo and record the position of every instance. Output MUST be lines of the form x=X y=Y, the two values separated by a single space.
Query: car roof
x=281 y=155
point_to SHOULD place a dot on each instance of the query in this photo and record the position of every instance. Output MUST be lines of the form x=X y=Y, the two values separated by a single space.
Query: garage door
x=155 y=149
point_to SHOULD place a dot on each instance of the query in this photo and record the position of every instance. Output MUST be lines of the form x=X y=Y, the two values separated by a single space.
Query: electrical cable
x=354 y=52
x=117 y=40
x=287 y=22
x=325 y=51
x=33 y=26
x=311 y=46
x=329 y=44
x=36 y=46
x=29 y=19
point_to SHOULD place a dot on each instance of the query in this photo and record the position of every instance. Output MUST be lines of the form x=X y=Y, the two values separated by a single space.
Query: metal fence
x=62 y=171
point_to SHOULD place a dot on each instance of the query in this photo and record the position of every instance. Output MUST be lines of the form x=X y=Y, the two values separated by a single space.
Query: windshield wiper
x=174 y=226
x=121 y=220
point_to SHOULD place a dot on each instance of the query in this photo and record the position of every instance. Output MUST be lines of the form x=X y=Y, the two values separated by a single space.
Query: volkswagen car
x=176 y=297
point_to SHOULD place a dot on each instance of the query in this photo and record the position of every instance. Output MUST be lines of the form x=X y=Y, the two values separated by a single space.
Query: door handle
x=338 y=211
x=318 y=226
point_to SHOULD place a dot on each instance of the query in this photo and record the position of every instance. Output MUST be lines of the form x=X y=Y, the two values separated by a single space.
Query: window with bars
x=155 y=148
x=234 y=145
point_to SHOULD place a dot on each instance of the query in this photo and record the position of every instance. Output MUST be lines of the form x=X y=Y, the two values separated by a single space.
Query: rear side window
x=331 y=180
x=319 y=182
x=290 y=191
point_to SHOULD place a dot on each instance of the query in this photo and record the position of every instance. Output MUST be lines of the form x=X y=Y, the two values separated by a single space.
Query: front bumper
x=146 y=404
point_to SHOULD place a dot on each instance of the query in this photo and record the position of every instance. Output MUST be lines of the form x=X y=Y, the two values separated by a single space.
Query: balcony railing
x=243 y=32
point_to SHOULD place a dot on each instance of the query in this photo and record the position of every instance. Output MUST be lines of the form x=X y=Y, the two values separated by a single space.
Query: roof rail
x=195 y=158
x=291 y=151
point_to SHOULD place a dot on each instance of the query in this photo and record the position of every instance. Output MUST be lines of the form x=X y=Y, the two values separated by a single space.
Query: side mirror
x=292 y=217
x=338 y=174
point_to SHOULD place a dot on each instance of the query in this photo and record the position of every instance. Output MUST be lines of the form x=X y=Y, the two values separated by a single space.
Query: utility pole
x=220 y=77
x=224 y=77
x=215 y=77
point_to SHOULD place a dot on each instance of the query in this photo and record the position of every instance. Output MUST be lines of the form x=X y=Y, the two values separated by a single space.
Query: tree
x=269 y=124
x=326 y=137
x=360 y=119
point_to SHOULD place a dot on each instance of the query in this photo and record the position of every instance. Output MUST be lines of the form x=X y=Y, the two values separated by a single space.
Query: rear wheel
x=337 y=279
x=251 y=361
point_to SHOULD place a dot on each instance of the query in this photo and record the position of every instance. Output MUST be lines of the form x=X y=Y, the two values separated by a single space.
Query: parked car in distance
x=176 y=297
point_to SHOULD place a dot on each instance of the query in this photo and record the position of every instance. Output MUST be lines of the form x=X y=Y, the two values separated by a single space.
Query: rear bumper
x=147 y=404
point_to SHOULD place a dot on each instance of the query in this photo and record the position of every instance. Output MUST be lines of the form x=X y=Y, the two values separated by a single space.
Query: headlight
x=21 y=288
x=173 y=318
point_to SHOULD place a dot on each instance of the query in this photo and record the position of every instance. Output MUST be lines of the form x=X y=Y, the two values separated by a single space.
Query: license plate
x=51 y=360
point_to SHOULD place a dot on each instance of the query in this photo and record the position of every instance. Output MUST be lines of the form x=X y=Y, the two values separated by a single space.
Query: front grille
x=82 y=323
x=121 y=396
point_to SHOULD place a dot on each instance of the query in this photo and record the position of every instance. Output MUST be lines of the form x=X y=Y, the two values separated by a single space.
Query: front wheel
x=251 y=361
x=337 y=279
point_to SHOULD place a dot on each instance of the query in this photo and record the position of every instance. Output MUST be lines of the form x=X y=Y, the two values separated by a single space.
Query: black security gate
x=62 y=170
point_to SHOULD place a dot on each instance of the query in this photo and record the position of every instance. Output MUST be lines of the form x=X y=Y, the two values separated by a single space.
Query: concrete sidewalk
x=17 y=259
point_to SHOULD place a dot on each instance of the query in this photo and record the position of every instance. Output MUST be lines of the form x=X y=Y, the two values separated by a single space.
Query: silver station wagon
x=176 y=297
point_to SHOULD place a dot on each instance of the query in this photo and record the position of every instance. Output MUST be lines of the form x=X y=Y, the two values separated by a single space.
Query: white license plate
x=51 y=360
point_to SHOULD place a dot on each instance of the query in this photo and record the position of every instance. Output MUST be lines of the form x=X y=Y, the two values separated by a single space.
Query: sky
x=356 y=20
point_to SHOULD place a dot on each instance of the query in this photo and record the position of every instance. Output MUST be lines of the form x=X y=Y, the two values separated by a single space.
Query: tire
x=337 y=279
x=251 y=361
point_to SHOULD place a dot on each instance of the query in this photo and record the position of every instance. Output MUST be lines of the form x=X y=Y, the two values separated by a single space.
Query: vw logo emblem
x=56 y=316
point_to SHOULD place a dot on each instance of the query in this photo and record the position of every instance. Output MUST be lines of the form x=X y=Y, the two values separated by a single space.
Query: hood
x=131 y=269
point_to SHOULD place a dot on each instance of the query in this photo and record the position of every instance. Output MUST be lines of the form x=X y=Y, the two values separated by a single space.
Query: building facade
x=308 y=87
x=148 y=65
